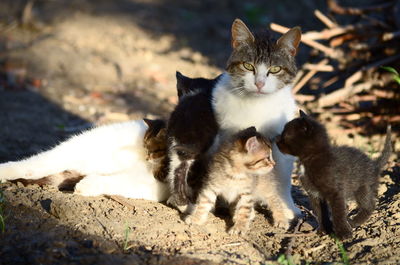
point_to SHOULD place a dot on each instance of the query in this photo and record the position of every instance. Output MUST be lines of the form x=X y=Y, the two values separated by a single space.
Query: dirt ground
x=78 y=63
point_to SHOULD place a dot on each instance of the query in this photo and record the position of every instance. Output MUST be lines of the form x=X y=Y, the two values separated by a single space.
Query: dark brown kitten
x=236 y=172
x=333 y=174
x=155 y=144
x=191 y=130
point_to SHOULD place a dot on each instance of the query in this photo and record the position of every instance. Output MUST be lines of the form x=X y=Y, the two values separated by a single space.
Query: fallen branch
x=308 y=76
x=121 y=201
x=319 y=68
x=316 y=45
x=324 y=19
x=342 y=94
x=336 y=8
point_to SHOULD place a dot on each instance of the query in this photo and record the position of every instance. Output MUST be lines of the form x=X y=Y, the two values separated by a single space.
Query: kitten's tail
x=387 y=150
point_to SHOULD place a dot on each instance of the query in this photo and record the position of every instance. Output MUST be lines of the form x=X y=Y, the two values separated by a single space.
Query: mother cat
x=256 y=91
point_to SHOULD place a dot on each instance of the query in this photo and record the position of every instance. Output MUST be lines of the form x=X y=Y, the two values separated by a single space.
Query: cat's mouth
x=281 y=144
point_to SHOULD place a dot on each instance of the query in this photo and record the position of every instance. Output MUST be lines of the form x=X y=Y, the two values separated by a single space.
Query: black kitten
x=187 y=86
x=333 y=174
x=191 y=130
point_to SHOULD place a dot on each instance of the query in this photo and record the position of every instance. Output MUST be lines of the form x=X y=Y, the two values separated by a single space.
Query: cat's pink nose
x=260 y=84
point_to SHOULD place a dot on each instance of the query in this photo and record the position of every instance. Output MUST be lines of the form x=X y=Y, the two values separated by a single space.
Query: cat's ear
x=290 y=40
x=241 y=35
x=162 y=133
x=253 y=145
x=154 y=125
x=306 y=125
x=181 y=84
x=302 y=114
x=149 y=122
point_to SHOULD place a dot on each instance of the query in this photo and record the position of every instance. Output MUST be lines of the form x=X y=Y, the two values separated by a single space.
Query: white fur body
x=111 y=157
x=268 y=112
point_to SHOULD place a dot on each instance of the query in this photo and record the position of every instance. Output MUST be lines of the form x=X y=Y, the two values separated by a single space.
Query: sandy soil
x=84 y=62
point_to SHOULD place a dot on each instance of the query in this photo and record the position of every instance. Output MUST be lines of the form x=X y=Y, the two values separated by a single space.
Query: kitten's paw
x=181 y=207
x=281 y=221
x=283 y=224
x=239 y=230
x=356 y=222
x=343 y=232
x=321 y=231
x=190 y=219
x=353 y=224
x=160 y=174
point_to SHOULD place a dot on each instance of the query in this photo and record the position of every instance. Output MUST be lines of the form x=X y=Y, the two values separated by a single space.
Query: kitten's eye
x=248 y=66
x=275 y=69
x=181 y=153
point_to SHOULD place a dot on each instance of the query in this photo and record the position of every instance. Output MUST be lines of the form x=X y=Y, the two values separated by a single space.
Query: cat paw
x=160 y=174
x=238 y=230
x=283 y=224
x=343 y=233
x=353 y=224
x=173 y=202
x=281 y=221
x=192 y=220
x=284 y=219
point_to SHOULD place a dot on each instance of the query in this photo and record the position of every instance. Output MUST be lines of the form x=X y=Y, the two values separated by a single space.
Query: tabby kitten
x=191 y=130
x=255 y=91
x=333 y=174
x=155 y=146
x=235 y=173
x=118 y=159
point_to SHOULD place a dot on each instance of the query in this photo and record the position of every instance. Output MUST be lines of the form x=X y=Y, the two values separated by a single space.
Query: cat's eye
x=181 y=153
x=274 y=69
x=248 y=66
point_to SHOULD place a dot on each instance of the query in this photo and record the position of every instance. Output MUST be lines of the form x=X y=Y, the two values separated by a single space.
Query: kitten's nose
x=260 y=84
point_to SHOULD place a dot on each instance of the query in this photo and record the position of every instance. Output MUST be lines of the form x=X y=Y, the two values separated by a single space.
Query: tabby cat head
x=155 y=139
x=258 y=65
x=251 y=152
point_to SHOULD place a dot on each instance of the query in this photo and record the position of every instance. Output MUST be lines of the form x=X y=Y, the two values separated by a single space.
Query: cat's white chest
x=268 y=113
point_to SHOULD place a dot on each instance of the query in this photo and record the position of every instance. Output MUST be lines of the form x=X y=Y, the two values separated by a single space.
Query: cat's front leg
x=205 y=203
x=243 y=215
x=341 y=225
x=281 y=180
x=321 y=210
x=160 y=171
x=317 y=203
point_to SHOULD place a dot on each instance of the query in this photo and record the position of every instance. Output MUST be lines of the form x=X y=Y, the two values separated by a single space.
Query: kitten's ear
x=306 y=125
x=302 y=114
x=149 y=122
x=250 y=130
x=154 y=125
x=252 y=145
x=181 y=84
x=241 y=35
x=290 y=40
x=162 y=133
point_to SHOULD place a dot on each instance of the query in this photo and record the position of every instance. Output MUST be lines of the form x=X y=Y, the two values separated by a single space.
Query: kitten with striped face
x=235 y=173
x=256 y=91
